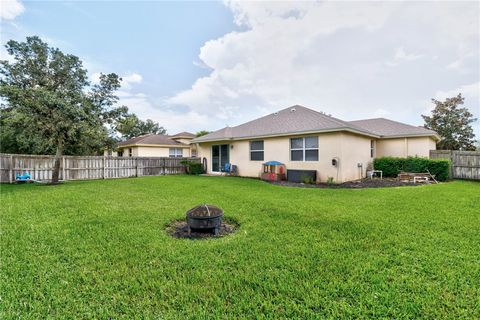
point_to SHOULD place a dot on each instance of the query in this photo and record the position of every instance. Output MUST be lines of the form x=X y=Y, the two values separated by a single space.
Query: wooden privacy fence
x=465 y=164
x=83 y=168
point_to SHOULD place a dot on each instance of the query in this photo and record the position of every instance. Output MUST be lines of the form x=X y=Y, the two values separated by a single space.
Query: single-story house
x=158 y=145
x=304 y=139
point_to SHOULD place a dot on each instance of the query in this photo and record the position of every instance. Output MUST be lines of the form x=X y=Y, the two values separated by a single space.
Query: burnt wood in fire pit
x=204 y=217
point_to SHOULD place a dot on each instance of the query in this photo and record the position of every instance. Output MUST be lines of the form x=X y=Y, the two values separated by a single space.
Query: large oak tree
x=51 y=106
x=453 y=123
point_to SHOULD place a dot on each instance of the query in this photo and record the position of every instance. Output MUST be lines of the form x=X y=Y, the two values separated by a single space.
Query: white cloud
x=471 y=93
x=173 y=120
x=10 y=9
x=132 y=78
x=334 y=56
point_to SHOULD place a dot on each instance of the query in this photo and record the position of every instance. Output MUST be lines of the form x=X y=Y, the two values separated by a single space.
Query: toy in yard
x=23 y=178
x=273 y=171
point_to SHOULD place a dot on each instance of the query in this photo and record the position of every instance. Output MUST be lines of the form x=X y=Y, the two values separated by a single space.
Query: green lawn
x=98 y=249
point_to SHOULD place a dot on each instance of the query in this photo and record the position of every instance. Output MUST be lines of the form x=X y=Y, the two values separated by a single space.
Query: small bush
x=307 y=179
x=193 y=167
x=391 y=166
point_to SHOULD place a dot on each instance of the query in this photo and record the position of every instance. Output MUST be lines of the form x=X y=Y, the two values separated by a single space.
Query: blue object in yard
x=272 y=163
x=227 y=167
x=24 y=177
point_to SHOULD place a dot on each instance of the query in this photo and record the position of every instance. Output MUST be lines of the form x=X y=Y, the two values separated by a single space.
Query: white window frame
x=259 y=150
x=130 y=152
x=372 y=148
x=174 y=152
x=304 y=149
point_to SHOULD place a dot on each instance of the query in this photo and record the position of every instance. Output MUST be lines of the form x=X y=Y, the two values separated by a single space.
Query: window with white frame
x=130 y=152
x=256 y=150
x=372 y=148
x=175 y=152
x=304 y=149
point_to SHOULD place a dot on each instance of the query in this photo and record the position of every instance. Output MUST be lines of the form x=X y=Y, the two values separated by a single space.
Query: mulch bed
x=358 y=184
x=179 y=229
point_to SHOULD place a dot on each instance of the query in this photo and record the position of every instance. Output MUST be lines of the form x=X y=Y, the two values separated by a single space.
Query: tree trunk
x=56 y=166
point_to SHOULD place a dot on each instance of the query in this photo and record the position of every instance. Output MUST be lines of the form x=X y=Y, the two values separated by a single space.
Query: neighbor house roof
x=184 y=134
x=300 y=120
x=388 y=128
x=151 y=139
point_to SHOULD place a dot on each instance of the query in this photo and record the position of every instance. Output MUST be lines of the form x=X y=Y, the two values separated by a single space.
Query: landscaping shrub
x=391 y=166
x=193 y=167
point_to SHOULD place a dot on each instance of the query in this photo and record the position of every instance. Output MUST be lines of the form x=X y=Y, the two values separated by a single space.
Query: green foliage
x=330 y=180
x=131 y=126
x=391 y=166
x=193 y=167
x=50 y=102
x=307 y=179
x=202 y=133
x=452 y=123
x=51 y=107
x=98 y=249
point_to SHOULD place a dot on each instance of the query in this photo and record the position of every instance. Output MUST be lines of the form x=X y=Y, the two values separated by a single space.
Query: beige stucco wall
x=154 y=151
x=350 y=149
x=405 y=147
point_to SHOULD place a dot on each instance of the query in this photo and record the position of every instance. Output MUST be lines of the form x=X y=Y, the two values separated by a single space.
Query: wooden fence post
x=104 y=167
x=10 y=173
x=63 y=169
x=136 y=166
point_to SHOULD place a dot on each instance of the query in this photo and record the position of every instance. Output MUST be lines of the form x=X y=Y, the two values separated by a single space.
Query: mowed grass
x=98 y=249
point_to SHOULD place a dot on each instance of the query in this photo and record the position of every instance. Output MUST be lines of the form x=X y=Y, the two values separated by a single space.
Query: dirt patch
x=179 y=229
x=358 y=184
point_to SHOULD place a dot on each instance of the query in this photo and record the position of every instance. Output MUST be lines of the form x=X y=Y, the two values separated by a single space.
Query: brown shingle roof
x=298 y=119
x=295 y=119
x=151 y=139
x=389 y=128
x=183 y=134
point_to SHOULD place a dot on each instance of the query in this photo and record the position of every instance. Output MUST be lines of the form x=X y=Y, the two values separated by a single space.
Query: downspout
x=406 y=148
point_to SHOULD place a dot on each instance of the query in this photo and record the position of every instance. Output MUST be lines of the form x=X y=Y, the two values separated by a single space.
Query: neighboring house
x=304 y=139
x=158 y=145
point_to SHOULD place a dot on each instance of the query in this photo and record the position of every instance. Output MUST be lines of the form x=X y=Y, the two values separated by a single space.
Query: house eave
x=293 y=133
x=154 y=145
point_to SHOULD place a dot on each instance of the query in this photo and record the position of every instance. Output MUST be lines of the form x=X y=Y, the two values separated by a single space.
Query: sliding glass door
x=220 y=157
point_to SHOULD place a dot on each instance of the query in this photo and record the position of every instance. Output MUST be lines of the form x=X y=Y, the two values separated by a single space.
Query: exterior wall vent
x=293 y=110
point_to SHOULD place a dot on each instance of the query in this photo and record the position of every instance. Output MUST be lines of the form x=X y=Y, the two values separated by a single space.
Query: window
x=194 y=153
x=372 y=148
x=175 y=152
x=256 y=150
x=120 y=153
x=130 y=152
x=304 y=149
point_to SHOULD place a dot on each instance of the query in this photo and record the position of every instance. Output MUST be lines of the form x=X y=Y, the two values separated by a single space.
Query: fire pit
x=204 y=217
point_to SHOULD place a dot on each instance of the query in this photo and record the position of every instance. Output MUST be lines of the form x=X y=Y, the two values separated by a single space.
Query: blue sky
x=203 y=65
x=158 y=40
